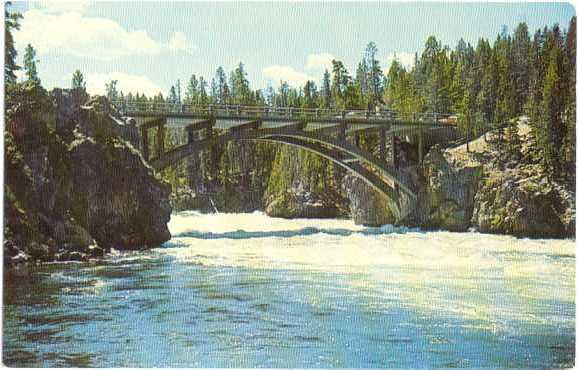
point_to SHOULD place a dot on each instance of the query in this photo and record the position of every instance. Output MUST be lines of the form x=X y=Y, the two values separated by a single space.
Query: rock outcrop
x=367 y=206
x=521 y=202
x=77 y=191
x=123 y=205
x=299 y=203
x=487 y=190
x=447 y=199
x=304 y=185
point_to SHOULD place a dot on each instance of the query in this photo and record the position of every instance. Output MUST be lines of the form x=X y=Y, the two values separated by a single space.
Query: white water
x=493 y=279
x=246 y=290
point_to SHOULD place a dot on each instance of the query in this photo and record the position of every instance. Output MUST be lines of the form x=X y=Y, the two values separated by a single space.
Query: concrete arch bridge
x=331 y=133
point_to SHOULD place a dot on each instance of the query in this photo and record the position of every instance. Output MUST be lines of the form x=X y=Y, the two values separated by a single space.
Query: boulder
x=116 y=195
x=299 y=204
x=512 y=203
x=447 y=198
x=367 y=206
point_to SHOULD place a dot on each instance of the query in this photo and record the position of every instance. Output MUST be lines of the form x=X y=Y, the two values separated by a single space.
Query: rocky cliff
x=74 y=188
x=487 y=190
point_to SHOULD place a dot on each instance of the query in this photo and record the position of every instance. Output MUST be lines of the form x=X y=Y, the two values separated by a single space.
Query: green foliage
x=112 y=91
x=10 y=24
x=78 y=80
x=30 y=65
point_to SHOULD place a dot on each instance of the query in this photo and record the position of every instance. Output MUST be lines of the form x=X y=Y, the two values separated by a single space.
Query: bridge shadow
x=305 y=231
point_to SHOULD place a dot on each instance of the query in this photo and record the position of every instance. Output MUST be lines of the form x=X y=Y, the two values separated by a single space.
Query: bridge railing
x=232 y=110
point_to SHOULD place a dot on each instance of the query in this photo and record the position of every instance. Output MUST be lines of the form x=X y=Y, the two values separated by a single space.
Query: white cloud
x=287 y=74
x=95 y=83
x=319 y=61
x=405 y=59
x=179 y=43
x=98 y=38
x=55 y=6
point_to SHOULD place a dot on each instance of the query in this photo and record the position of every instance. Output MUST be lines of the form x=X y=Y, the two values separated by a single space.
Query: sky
x=147 y=46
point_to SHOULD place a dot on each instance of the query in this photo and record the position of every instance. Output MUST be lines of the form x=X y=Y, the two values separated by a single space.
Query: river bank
x=77 y=188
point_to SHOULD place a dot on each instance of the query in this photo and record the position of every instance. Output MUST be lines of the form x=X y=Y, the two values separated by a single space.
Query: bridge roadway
x=322 y=131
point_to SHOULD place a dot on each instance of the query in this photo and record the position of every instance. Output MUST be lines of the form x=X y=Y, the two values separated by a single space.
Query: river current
x=246 y=290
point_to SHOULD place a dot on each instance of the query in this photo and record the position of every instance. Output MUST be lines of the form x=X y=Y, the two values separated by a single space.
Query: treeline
x=486 y=85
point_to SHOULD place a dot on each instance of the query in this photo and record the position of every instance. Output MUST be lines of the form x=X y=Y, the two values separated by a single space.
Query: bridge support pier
x=200 y=125
x=395 y=151
x=382 y=136
x=420 y=147
x=144 y=146
x=160 y=141
x=341 y=134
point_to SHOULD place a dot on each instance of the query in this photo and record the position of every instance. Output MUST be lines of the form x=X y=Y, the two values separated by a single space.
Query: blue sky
x=147 y=46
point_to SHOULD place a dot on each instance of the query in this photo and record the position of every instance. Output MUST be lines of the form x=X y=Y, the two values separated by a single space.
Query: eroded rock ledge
x=78 y=189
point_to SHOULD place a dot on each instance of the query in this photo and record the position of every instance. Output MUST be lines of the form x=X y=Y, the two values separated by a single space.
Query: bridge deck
x=321 y=131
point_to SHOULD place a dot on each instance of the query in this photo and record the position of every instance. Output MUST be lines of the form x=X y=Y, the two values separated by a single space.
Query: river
x=245 y=290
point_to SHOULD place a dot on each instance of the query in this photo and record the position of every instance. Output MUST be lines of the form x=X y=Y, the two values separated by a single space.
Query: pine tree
x=78 y=80
x=178 y=92
x=30 y=65
x=221 y=88
x=570 y=134
x=10 y=24
x=374 y=74
x=111 y=90
x=550 y=135
x=203 y=97
x=520 y=66
x=326 y=90
x=192 y=93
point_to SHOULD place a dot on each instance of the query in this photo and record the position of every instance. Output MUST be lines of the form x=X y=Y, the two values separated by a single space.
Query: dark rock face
x=447 y=200
x=68 y=110
x=483 y=191
x=520 y=204
x=297 y=203
x=69 y=196
x=125 y=206
x=367 y=206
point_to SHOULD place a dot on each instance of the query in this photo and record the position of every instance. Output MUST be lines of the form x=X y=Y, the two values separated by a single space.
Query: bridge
x=331 y=133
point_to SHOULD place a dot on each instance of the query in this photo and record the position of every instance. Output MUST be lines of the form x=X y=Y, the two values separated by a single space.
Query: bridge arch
x=342 y=153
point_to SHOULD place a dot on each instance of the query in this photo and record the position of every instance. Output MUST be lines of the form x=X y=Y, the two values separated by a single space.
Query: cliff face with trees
x=518 y=74
x=74 y=187
x=515 y=75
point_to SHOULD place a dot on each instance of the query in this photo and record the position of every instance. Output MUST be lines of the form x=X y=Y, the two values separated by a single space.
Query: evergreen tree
x=10 y=24
x=374 y=74
x=30 y=65
x=192 y=92
x=520 y=66
x=203 y=96
x=222 y=93
x=111 y=90
x=341 y=81
x=570 y=134
x=240 y=91
x=173 y=97
x=550 y=134
x=78 y=80
x=326 y=90
x=178 y=92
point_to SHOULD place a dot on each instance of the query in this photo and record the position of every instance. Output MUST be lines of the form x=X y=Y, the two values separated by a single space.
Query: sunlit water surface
x=245 y=290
